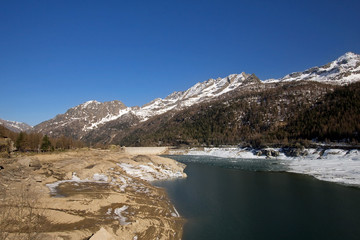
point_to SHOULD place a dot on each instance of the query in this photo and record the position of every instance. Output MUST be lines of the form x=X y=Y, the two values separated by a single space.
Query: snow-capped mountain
x=16 y=126
x=344 y=70
x=80 y=119
x=92 y=115
x=88 y=116
x=200 y=92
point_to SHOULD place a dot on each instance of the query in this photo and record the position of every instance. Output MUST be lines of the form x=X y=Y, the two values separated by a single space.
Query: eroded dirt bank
x=96 y=194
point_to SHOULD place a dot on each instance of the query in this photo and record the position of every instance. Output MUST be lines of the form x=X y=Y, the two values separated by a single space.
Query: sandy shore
x=96 y=194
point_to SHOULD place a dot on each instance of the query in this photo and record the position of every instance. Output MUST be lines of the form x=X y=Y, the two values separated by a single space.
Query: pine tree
x=20 y=143
x=46 y=144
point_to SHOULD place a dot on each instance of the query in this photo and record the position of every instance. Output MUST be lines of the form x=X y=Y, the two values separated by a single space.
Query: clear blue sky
x=55 y=55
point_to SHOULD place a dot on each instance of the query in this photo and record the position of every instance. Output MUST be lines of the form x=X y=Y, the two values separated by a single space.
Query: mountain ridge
x=343 y=70
x=200 y=92
x=89 y=117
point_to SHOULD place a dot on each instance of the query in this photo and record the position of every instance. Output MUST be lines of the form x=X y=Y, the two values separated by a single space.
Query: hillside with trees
x=336 y=117
x=287 y=115
x=34 y=142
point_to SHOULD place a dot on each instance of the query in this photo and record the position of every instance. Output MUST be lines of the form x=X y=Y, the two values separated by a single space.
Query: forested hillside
x=335 y=117
x=281 y=115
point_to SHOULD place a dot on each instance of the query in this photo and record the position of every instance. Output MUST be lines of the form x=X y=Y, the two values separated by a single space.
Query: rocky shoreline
x=88 y=194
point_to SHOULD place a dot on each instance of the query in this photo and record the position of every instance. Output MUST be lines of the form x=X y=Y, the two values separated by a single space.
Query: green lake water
x=255 y=199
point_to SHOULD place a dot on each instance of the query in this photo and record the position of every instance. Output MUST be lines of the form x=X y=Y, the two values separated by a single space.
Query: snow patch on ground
x=118 y=215
x=100 y=177
x=124 y=184
x=150 y=172
x=97 y=178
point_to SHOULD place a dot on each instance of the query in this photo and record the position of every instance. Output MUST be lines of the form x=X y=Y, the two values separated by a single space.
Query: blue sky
x=55 y=55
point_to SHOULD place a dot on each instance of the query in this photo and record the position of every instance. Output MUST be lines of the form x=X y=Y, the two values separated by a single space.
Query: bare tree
x=20 y=215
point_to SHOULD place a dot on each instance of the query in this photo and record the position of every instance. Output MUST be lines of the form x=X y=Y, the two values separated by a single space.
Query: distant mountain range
x=113 y=122
x=16 y=126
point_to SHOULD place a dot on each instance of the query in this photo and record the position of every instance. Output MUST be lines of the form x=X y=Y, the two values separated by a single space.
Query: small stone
x=38 y=178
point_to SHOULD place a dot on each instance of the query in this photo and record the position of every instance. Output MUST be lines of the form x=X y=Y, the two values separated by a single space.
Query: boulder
x=24 y=161
x=295 y=152
x=271 y=153
x=102 y=234
x=142 y=159
x=35 y=163
x=268 y=153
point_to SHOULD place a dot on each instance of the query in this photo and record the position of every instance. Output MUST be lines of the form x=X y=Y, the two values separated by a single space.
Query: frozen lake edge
x=333 y=165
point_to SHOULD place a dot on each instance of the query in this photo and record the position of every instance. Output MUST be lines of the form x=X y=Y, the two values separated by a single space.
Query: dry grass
x=20 y=215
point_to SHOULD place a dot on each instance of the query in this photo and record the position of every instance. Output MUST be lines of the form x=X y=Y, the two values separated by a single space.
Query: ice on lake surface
x=333 y=165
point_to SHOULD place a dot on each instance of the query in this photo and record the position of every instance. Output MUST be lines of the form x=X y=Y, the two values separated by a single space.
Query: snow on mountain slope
x=16 y=126
x=344 y=70
x=91 y=115
x=109 y=117
x=198 y=93
x=82 y=118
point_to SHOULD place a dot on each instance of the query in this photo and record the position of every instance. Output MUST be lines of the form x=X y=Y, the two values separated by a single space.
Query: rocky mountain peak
x=342 y=71
x=90 y=103
x=348 y=60
x=82 y=118
x=93 y=104
x=349 y=55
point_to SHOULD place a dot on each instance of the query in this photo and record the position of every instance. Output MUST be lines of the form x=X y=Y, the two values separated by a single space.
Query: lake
x=254 y=199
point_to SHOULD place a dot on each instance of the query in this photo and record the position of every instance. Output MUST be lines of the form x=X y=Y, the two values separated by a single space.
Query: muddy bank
x=87 y=193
